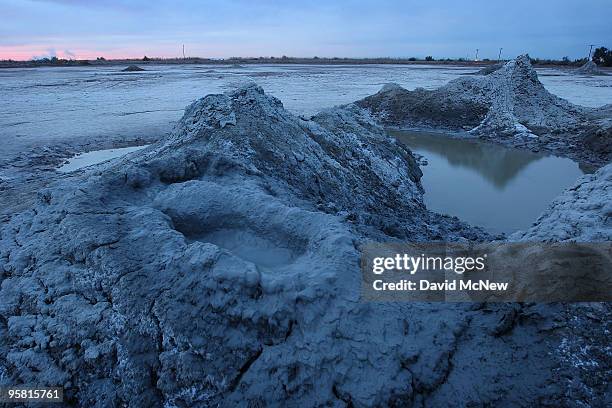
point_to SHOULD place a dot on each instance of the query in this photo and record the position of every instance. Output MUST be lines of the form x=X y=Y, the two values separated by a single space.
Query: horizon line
x=146 y=59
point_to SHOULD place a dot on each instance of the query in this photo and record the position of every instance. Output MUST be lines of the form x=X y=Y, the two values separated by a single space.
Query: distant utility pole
x=499 y=56
x=183 y=51
x=476 y=54
x=590 y=50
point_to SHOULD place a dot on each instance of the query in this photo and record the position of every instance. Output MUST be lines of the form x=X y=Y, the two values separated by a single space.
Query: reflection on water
x=498 y=188
x=497 y=164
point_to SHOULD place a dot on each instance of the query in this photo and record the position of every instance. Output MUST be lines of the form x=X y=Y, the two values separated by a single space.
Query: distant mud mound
x=589 y=68
x=509 y=105
x=507 y=100
x=490 y=69
x=133 y=68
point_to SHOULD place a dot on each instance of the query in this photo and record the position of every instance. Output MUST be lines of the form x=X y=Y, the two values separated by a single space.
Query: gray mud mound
x=220 y=267
x=589 y=68
x=508 y=100
x=508 y=105
x=133 y=68
x=582 y=213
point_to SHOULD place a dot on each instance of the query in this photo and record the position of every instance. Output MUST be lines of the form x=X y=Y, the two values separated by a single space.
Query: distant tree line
x=563 y=61
x=602 y=56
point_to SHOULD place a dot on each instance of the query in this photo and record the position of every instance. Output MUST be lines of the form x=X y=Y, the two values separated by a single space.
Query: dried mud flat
x=124 y=285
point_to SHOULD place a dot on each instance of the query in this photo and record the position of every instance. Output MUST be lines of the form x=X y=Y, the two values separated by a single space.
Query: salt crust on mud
x=113 y=288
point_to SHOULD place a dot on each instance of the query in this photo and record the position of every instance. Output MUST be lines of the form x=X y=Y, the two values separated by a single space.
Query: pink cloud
x=27 y=52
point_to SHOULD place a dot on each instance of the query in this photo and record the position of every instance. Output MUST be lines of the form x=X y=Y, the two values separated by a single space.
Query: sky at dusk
x=345 y=28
